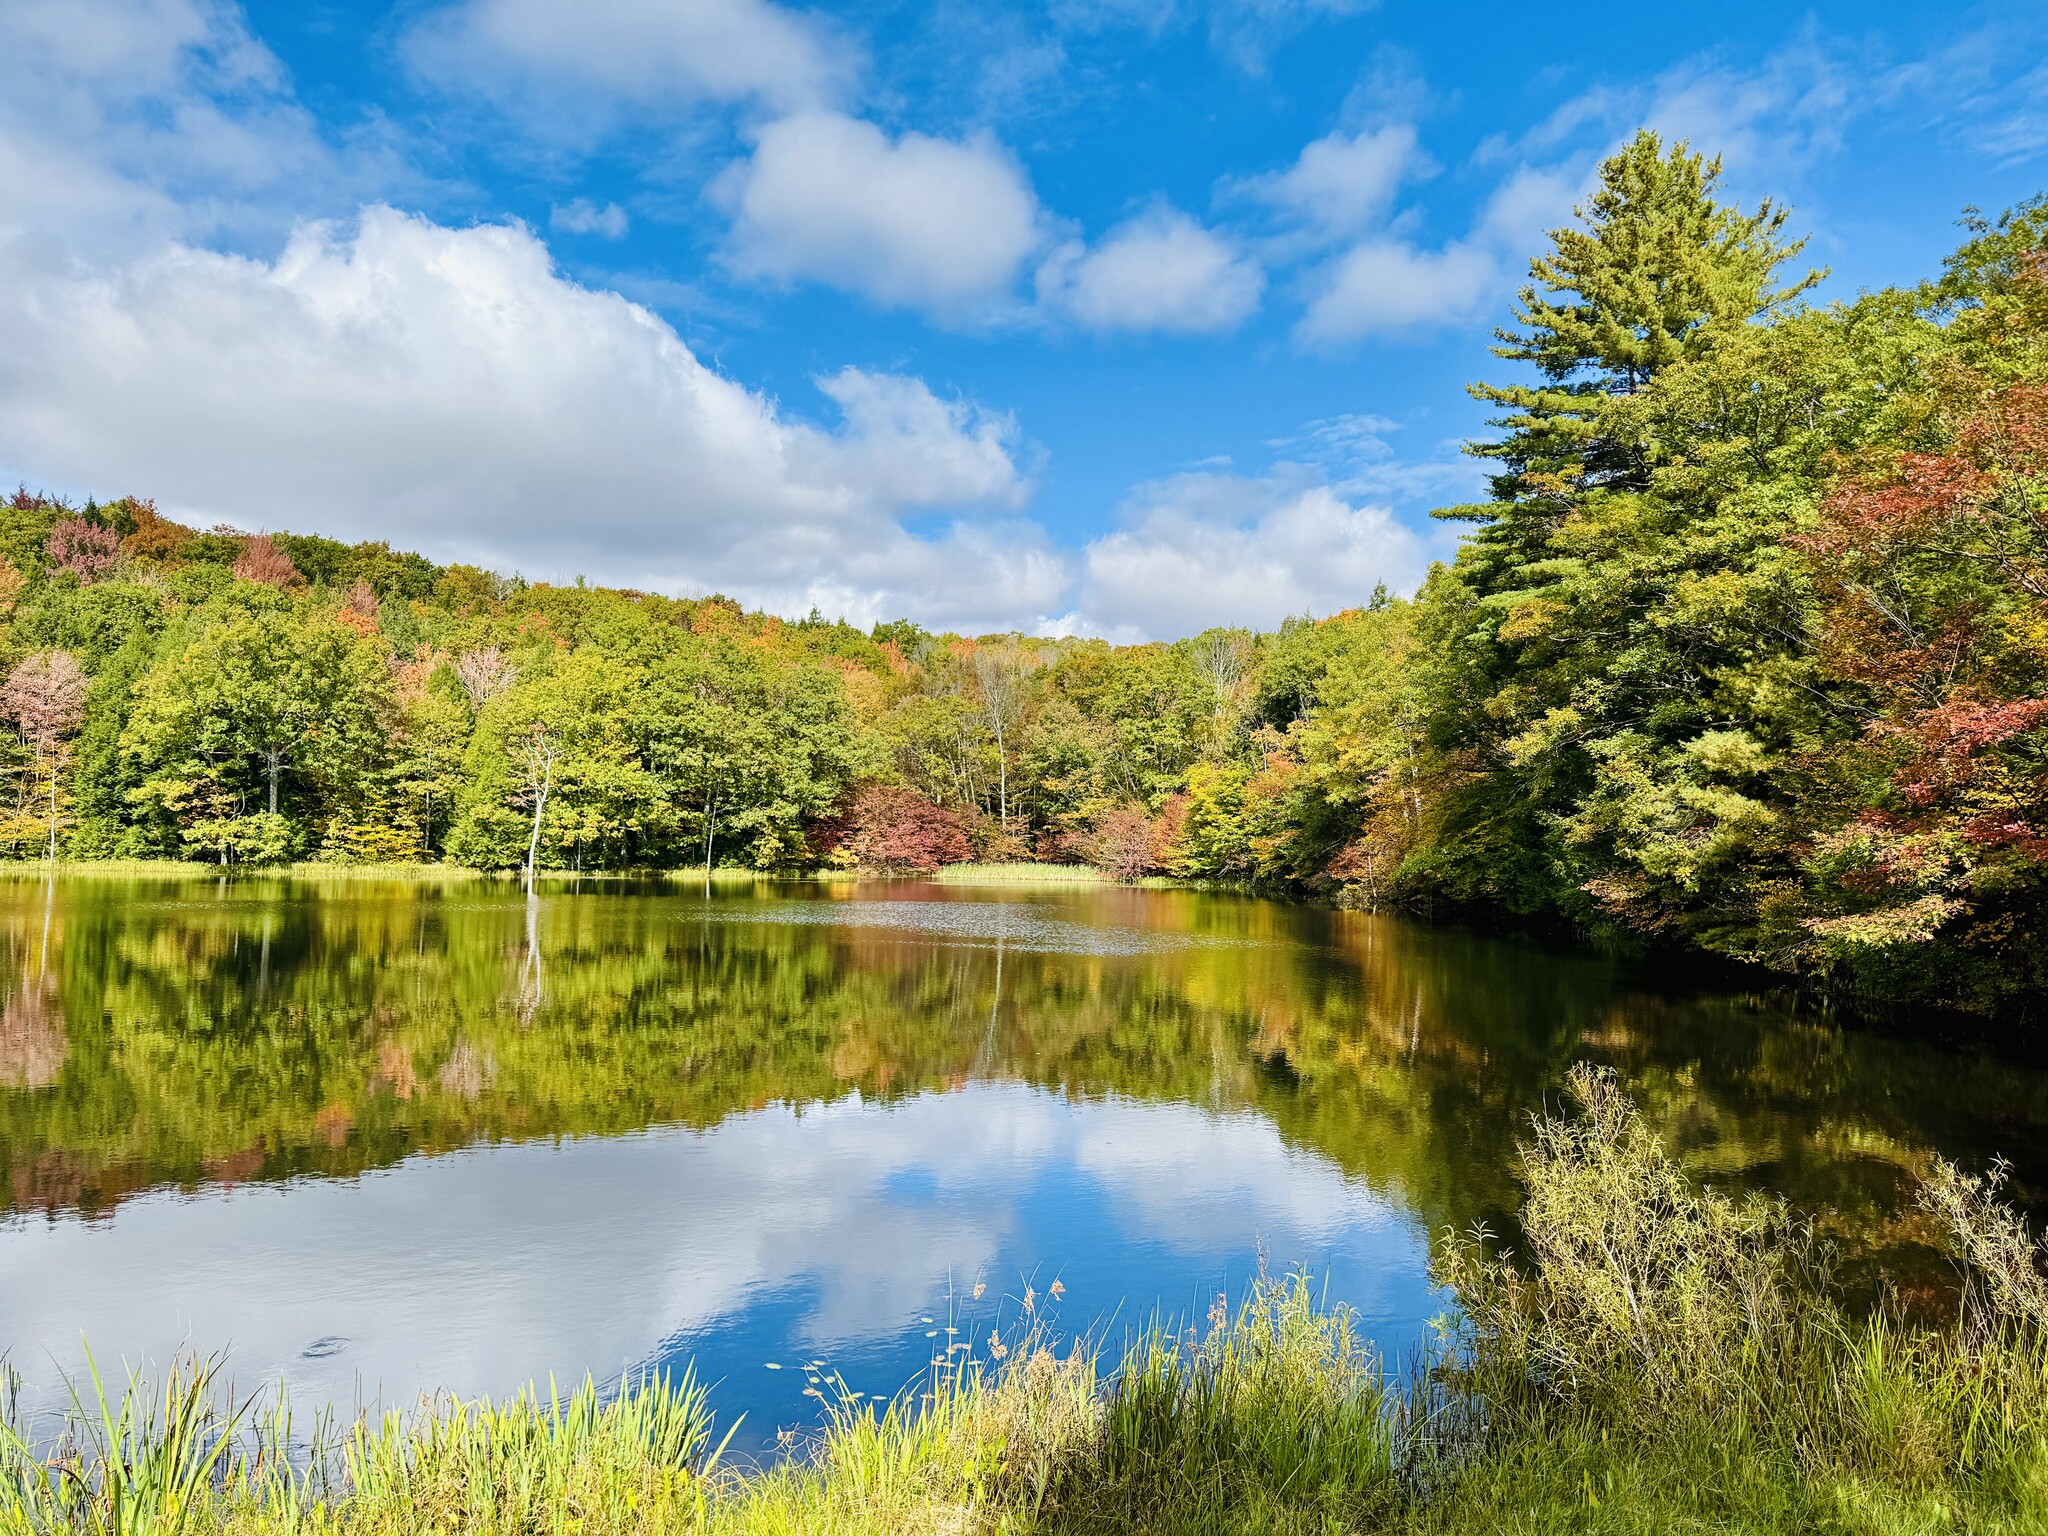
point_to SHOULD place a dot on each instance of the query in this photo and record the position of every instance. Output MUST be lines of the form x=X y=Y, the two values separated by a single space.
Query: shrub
x=1644 y=1292
x=899 y=829
x=1122 y=844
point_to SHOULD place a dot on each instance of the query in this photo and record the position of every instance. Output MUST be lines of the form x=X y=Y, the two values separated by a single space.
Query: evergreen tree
x=1658 y=270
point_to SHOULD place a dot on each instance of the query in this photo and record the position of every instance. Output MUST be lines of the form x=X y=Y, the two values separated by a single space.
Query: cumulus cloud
x=124 y=124
x=175 y=327
x=913 y=221
x=447 y=389
x=1203 y=549
x=583 y=217
x=1343 y=182
x=645 y=53
x=1390 y=285
x=1384 y=285
x=1785 y=113
x=1159 y=272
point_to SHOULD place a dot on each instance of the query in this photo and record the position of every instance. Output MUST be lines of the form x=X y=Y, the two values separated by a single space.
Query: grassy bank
x=1659 y=1359
x=188 y=869
x=1020 y=873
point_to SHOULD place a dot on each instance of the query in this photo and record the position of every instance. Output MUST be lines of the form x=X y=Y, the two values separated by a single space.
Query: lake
x=384 y=1138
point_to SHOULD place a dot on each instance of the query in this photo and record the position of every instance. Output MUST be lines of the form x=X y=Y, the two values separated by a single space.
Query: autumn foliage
x=898 y=829
x=261 y=560
x=1745 y=652
x=85 y=549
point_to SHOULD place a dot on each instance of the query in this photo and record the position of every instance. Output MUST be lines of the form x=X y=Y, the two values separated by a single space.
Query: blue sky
x=1109 y=316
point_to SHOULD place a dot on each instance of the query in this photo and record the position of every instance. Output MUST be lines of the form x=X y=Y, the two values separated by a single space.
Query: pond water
x=384 y=1138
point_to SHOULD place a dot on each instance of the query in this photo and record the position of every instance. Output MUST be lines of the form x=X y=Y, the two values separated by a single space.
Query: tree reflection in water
x=175 y=1032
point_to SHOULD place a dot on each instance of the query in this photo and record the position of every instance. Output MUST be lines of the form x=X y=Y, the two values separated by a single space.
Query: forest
x=1746 y=654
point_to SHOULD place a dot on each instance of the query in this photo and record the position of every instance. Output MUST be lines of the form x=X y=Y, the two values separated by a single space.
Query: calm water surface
x=383 y=1139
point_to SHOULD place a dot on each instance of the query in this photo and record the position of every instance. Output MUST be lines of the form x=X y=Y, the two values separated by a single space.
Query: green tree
x=1656 y=272
x=1617 y=613
x=553 y=775
x=252 y=727
x=749 y=749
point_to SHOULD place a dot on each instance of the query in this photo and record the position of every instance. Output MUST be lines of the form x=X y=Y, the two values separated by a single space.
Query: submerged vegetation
x=1662 y=1358
x=1747 y=652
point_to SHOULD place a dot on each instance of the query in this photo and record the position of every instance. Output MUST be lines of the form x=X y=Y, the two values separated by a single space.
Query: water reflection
x=386 y=1136
x=784 y=1234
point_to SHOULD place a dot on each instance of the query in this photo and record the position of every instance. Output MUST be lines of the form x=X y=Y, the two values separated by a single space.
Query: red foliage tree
x=1933 y=569
x=1123 y=843
x=261 y=560
x=898 y=829
x=85 y=549
x=45 y=694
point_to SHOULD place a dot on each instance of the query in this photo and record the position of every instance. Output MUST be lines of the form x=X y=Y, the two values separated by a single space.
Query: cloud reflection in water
x=781 y=1234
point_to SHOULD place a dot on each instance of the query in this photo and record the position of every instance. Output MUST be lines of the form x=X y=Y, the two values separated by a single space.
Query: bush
x=1645 y=1293
x=899 y=829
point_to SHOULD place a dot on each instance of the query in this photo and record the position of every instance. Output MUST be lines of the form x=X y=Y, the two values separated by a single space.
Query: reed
x=1020 y=873
x=1662 y=1358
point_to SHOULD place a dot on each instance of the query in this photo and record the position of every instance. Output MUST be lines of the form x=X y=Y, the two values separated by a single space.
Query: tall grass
x=1020 y=873
x=1662 y=1358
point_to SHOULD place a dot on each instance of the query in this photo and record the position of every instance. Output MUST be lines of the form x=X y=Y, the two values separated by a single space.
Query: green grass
x=1021 y=873
x=1663 y=1360
x=187 y=869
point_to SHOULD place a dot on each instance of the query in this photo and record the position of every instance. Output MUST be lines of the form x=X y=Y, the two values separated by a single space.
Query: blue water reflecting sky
x=781 y=1236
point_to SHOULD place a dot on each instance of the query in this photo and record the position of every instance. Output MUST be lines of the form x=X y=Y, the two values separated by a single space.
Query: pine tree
x=1656 y=271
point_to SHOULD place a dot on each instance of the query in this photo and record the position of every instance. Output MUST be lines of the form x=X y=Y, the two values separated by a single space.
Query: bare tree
x=484 y=674
x=45 y=695
x=534 y=750
x=999 y=673
x=1223 y=657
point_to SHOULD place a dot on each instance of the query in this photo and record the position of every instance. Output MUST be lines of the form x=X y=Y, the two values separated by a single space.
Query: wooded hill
x=1747 y=652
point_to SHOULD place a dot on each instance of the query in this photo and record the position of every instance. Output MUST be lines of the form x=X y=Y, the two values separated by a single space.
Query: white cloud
x=913 y=221
x=1389 y=285
x=1159 y=272
x=647 y=53
x=1343 y=182
x=905 y=444
x=1766 y=122
x=124 y=124
x=1205 y=549
x=1354 y=455
x=447 y=390
x=1384 y=285
x=583 y=217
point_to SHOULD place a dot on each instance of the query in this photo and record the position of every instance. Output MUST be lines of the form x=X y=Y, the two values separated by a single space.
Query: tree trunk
x=53 y=808
x=1002 y=782
x=710 y=821
x=540 y=805
x=276 y=756
x=533 y=842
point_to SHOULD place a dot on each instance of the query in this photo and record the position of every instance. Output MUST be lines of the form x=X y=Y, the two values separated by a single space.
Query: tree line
x=1746 y=651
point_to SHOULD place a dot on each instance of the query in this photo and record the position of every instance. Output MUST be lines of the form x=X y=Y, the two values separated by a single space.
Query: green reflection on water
x=181 y=1031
